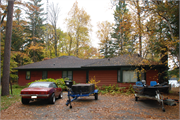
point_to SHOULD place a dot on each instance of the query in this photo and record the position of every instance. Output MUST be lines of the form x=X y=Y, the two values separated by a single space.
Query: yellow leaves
x=145 y=61
x=93 y=81
x=104 y=30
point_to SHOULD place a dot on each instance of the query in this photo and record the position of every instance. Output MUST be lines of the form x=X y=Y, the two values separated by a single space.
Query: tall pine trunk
x=164 y=60
x=7 y=50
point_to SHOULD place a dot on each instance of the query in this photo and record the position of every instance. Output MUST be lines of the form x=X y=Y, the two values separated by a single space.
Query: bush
x=115 y=89
x=60 y=82
x=93 y=81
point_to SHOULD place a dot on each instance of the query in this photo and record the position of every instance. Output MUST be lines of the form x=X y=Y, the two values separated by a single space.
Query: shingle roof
x=59 y=62
x=123 y=60
x=74 y=62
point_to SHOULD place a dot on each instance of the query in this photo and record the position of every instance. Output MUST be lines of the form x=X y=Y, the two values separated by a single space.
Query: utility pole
x=7 y=50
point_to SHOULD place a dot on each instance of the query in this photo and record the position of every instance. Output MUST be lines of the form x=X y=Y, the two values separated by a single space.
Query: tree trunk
x=69 y=52
x=7 y=50
x=164 y=60
x=55 y=43
x=33 y=36
x=77 y=44
x=139 y=22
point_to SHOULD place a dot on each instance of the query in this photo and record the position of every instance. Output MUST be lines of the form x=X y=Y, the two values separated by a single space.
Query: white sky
x=99 y=10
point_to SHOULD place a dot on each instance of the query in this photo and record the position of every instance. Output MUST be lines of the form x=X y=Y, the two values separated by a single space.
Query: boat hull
x=150 y=90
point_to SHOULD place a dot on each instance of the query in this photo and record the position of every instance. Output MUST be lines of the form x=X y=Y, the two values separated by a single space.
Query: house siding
x=106 y=77
x=151 y=75
x=35 y=75
x=22 y=78
x=79 y=76
x=54 y=74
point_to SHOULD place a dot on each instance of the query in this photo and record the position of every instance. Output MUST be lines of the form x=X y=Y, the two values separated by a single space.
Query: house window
x=67 y=74
x=28 y=75
x=44 y=75
x=129 y=76
x=119 y=75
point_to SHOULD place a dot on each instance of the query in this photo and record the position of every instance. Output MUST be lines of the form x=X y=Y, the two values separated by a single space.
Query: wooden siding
x=54 y=74
x=106 y=77
x=79 y=76
x=151 y=75
x=22 y=78
x=35 y=75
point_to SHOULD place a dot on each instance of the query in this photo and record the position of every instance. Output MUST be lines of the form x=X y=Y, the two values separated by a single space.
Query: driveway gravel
x=106 y=107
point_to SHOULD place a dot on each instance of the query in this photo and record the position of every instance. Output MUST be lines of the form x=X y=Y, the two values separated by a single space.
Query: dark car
x=41 y=90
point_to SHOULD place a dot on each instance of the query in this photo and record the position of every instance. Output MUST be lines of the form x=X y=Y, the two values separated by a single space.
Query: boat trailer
x=157 y=97
x=80 y=90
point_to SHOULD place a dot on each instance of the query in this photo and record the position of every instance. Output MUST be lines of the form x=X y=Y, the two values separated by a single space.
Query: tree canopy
x=149 y=28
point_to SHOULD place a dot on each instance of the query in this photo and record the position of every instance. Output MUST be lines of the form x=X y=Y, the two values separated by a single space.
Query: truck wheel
x=25 y=101
x=96 y=96
x=52 y=99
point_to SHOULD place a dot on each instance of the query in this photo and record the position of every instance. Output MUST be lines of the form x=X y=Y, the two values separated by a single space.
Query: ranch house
x=122 y=70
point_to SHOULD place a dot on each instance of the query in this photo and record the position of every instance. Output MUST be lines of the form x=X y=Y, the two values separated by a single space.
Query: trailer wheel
x=136 y=98
x=96 y=96
x=163 y=109
x=70 y=107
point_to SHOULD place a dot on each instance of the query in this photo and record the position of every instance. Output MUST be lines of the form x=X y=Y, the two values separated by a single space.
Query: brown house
x=122 y=70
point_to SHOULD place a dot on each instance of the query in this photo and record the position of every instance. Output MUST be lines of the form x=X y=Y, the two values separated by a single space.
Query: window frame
x=28 y=78
x=66 y=76
x=125 y=68
x=46 y=72
x=136 y=73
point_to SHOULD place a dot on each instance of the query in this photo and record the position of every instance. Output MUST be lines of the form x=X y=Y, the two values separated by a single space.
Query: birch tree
x=79 y=24
x=54 y=14
x=104 y=35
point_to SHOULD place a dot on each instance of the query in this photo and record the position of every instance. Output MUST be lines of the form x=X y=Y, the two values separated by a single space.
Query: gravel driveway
x=106 y=107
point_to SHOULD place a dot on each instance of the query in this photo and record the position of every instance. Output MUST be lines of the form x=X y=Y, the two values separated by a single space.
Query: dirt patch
x=106 y=107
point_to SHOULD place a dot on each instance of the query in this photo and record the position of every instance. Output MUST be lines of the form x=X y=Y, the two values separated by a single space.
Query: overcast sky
x=99 y=10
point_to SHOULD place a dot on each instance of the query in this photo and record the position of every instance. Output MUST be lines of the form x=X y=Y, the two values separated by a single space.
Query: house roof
x=59 y=63
x=67 y=62
x=123 y=60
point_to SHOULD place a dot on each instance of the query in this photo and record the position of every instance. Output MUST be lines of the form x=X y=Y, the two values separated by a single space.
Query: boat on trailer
x=152 y=91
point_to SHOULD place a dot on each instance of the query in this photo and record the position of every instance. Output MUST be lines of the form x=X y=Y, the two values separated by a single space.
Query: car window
x=54 y=85
x=39 y=84
x=51 y=85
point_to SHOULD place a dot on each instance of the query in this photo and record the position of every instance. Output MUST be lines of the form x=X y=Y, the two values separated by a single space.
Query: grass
x=7 y=101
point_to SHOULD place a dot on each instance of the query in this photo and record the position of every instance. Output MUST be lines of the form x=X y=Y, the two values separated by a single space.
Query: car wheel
x=136 y=98
x=96 y=96
x=52 y=99
x=25 y=101
x=60 y=95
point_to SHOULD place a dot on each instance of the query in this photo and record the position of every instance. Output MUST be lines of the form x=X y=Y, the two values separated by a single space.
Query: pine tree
x=36 y=18
x=122 y=29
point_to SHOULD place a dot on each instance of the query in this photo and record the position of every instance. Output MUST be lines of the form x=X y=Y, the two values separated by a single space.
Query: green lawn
x=7 y=101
